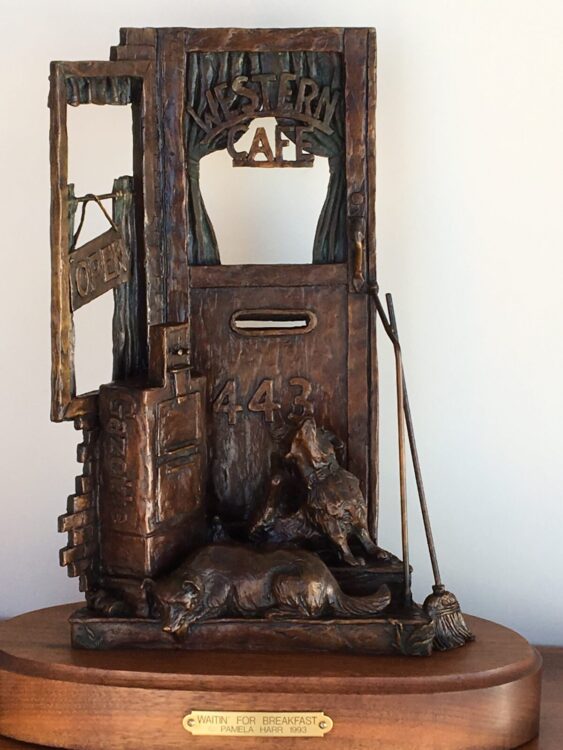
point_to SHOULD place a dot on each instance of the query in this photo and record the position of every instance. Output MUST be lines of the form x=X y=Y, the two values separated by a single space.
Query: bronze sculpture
x=335 y=503
x=230 y=581
x=230 y=486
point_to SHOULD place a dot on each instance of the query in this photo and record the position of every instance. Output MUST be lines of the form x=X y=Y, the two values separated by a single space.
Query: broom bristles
x=451 y=630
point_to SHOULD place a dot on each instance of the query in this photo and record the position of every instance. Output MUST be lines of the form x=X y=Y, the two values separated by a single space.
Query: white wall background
x=470 y=240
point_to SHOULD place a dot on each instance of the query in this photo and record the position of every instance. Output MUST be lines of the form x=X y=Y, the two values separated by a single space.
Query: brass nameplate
x=258 y=723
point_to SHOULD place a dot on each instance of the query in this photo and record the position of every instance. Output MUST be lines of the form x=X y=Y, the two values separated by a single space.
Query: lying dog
x=226 y=580
x=335 y=504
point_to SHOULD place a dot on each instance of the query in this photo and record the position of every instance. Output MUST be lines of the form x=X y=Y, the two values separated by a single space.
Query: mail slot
x=273 y=322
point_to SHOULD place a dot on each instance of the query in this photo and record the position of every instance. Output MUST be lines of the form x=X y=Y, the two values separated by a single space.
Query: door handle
x=358 y=279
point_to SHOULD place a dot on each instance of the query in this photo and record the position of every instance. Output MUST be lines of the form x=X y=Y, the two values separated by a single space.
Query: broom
x=400 y=380
x=441 y=606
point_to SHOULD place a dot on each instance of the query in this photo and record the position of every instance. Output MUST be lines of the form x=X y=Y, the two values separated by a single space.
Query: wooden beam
x=62 y=330
x=265 y=40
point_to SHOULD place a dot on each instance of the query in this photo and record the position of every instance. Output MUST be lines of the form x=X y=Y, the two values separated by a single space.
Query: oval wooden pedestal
x=482 y=697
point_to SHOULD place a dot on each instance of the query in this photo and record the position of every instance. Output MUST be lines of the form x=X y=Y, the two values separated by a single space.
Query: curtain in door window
x=206 y=72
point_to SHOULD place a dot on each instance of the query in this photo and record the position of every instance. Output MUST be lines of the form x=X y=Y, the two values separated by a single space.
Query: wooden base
x=486 y=695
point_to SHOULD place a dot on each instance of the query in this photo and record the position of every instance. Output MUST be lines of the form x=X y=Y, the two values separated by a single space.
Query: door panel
x=255 y=379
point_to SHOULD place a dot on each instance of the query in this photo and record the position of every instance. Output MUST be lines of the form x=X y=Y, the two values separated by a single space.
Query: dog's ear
x=189 y=587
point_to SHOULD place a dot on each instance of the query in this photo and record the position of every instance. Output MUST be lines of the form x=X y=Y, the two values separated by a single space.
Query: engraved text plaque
x=258 y=723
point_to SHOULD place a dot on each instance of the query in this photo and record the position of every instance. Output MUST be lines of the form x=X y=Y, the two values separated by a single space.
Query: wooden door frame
x=358 y=48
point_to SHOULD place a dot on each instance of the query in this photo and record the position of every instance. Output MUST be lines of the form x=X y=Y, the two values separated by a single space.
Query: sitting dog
x=227 y=580
x=335 y=504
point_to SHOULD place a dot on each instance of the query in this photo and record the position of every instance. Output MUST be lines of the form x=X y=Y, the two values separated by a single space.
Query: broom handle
x=415 y=458
x=401 y=434
x=374 y=480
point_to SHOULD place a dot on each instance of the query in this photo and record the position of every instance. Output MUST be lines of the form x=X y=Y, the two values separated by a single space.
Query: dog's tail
x=358 y=606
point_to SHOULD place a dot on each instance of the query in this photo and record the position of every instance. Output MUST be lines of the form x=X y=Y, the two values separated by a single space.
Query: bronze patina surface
x=229 y=496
